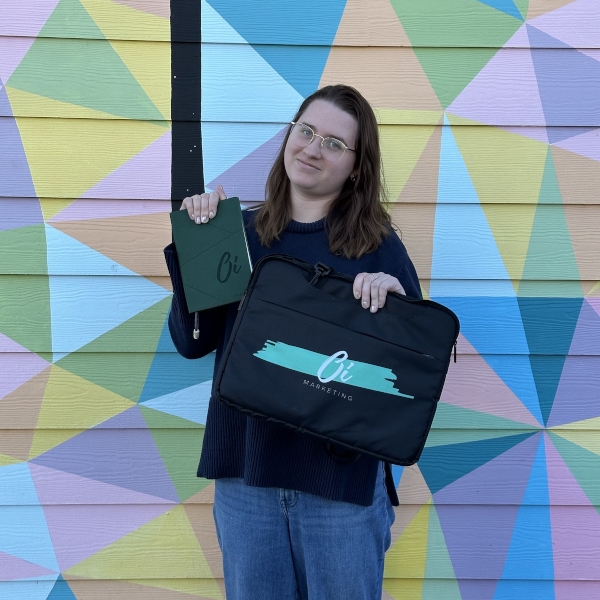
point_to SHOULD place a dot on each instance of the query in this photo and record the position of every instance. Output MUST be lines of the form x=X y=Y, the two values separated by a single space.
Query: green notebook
x=213 y=257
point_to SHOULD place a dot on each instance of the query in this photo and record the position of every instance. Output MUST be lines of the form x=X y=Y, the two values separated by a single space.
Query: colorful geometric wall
x=489 y=115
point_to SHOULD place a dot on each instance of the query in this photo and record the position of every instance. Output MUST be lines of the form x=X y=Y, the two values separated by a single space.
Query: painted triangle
x=20 y=19
x=12 y=568
x=61 y=591
x=586 y=143
x=20 y=212
x=25 y=532
x=35 y=589
x=18 y=368
x=190 y=403
x=106 y=453
x=246 y=179
x=569 y=83
x=145 y=176
x=500 y=480
x=443 y=465
x=586 y=339
x=103 y=303
x=84 y=209
x=575 y=521
x=505 y=6
x=530 y=553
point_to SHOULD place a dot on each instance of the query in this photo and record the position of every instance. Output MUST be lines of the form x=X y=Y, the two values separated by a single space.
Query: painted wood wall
x=490 y=124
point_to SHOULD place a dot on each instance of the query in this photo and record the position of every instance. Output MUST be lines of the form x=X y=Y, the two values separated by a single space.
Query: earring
x=353 y=178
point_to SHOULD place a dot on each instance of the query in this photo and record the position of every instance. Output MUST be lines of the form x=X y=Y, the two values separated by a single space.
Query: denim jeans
x=283 y=544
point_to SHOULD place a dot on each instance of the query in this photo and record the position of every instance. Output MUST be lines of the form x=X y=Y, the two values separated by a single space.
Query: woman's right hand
x=203 y=207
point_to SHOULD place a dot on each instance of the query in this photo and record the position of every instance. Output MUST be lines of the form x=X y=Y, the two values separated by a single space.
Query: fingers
x=372 y=289
x=203 y=207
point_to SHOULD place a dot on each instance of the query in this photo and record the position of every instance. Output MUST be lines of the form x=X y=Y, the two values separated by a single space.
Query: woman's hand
x=203 y=207
x=372 y=289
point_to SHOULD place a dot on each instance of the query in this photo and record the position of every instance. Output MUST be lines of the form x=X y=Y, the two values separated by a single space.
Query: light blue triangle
x=23 y=528
x=530 y=555
x=29 y=589
x=68 y=256
x=216 y=29
x=238 y=84
x=506 y=6
x=224 y=144
x=190 y=403
x=397 y=474
x=84 y=307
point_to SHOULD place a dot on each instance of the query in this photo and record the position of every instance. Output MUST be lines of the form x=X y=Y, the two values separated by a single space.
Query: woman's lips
x=308 y=164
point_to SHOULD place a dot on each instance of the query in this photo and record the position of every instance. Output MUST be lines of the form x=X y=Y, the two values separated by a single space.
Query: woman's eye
x=334 y=145
x=306 y=132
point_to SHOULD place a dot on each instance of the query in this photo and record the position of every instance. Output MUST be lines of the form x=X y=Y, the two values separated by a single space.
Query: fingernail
x=204 y=219
x=198 y=220
x=356 y=295
x=373 y=308
x=381 y=305
x=365 y=304
x=211 y=214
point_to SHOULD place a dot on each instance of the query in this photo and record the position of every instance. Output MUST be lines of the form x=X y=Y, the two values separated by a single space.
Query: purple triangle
x=577 y=24
x=505 y=92
x=488 y=483
x=569 y=84
x=120 y=451
x=15 y=179
x=586 y=339
x=12 y=51
x=12 y=568
x=477 y=590
x=585 y=144
x=145 y=176
x=20 y=212
x=477 y=538
x=246 y=179
x=80 y=531
x=24 y=19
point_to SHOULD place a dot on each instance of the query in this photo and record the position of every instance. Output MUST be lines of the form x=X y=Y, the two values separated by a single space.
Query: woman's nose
x=314 y=148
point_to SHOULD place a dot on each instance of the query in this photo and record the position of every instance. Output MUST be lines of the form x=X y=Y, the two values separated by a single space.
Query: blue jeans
x=283 y=544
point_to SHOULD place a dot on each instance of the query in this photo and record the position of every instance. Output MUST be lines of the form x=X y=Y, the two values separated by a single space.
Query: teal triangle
x=549 y=325
x=68 y=256
x=296 y=47
x=170 y=372
x=529 y=565
x=37 y=589
x=190 y=403
x=61 y=591
x=506 y=6
x=442 y=465
x=62 y=66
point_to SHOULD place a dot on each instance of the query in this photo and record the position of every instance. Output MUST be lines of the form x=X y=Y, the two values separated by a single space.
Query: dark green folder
x=213 y=257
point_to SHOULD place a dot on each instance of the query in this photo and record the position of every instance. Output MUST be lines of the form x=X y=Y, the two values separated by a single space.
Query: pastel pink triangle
x=58 y=487
x=575 y=522
x=12 y=568
x=520 y=39
x=24 y=19
x=17 y=368
x=12 y=51
x=471 y=383
x=84 y=209
x=504 y=92
x=146 y=175
x=587 y=144
x=9 y=345
x=594 y=303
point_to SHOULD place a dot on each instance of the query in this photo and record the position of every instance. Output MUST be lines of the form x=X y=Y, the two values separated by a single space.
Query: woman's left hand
x=372 y=289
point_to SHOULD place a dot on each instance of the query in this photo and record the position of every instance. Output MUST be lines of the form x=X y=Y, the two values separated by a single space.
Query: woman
x=296 y=517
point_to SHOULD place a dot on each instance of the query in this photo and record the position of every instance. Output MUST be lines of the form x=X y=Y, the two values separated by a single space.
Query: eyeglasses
x=332 y=148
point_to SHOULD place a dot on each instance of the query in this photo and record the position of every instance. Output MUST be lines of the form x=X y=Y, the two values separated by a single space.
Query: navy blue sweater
x=265 y=454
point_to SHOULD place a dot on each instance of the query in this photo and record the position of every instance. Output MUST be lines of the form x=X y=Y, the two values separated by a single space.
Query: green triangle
x=85 y=72
x=120 y=359
x=25 y=311
x=23 y=251
x=453 y=40
x=522 y=6
x=179 y=442
x=583 y=464
x=550 y=254
x=440 y=579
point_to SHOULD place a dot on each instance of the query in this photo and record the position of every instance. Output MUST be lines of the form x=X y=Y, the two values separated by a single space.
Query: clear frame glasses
x=303 y=135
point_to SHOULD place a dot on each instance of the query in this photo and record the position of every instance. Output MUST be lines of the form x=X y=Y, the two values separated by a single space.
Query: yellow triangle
x=595 y=291
x=68 y=156
x=8 y=460
x=506 y=170
x=52 y=206
x=164 y=548
x=119 y=22
x=71 y=405
x=150 y=64
x=589 y=439
x=26 y=104
x=206 y=588
x=401 y=148
x=407 y=558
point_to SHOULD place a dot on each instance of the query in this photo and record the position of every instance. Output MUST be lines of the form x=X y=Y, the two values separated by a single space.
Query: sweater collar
x=297 y=227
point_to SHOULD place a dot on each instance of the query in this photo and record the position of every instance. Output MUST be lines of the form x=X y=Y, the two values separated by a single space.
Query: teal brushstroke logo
x=336 y=367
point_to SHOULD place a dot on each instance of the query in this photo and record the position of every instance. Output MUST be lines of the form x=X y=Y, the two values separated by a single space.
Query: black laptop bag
x=305 y=354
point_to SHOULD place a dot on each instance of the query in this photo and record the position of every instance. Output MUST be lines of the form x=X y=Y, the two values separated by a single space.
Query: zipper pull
x=196 y=325
x=242 y=300
x=455 y=342
x=320 y=270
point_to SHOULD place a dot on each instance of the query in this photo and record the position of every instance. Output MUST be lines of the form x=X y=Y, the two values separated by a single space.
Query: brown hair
x=357 y=220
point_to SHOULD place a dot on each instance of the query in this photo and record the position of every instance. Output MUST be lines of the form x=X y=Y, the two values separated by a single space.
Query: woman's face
x=312 y=173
